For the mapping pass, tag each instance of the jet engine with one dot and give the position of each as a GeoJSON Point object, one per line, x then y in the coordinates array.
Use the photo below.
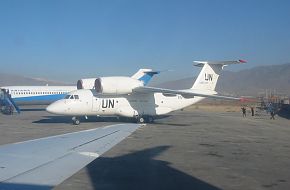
{"type": "Point", "coordinates": [116, 85]}
{"type": "Point", "coordinates": [86, 83]}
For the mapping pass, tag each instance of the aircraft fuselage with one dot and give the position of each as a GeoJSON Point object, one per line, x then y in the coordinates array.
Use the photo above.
{"type": "Point", "coordinates": [86, 102]}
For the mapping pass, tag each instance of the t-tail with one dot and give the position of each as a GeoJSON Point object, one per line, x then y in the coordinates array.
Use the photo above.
{"type": "Point", "coordinates": [145, 75]}
{"type": "Point", "coordinates": [209, 74]}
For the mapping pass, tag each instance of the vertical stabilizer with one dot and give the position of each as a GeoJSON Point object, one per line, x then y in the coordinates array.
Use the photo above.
{"type": "Point", "coordinates": [209, 74]}
{"type": "Point", "coordinates": [145, 75]}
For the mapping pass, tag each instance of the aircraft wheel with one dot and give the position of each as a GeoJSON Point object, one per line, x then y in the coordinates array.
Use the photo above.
{"type": "Point", "coordinates": [141, 120]}
{"type": "Point", "coordinates": [76, 121]}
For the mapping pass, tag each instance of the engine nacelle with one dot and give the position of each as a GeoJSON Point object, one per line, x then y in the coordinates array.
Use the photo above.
{"type": "Point", "coordinates": [116, 85]}
{"type": "Point", "coordinates": [86, 83]}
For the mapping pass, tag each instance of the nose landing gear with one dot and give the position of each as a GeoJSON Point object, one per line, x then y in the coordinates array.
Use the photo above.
{"type": "Point", "coordinates": [76, 121]}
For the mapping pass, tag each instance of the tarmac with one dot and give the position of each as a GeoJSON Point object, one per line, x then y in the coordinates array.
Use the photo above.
{"type": "Point", "coordinates": [191, 149]}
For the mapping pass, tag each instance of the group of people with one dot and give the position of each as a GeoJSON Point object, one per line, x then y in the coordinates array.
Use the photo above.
{"type": "Point", "coordinates": [270, 110]}
{"type": "Point", "coordinates": [244, 111]}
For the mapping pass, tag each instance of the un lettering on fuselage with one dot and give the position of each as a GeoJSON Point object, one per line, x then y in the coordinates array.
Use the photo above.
{"type": "Point", "coordinates": [108, 103]}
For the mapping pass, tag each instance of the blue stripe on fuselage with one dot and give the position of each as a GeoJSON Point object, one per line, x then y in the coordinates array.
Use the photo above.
{"type": "Point", "coordinates": [50, 98]}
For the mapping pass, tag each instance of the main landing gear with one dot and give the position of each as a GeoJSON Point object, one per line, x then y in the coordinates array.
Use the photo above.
{"type": "Point", "coordinates": [140, 120]}
{"type": "Point", "coordinates": [145, 119]}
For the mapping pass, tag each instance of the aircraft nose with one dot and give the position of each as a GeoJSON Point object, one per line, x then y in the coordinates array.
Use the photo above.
{"type": "Point", "coordinates": [55, 108]}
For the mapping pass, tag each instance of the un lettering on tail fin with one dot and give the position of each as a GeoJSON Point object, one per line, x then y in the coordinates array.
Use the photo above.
{"type": "Point", "coordinates": [208, 77]}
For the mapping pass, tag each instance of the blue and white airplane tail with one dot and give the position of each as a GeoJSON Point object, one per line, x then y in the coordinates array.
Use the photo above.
{"type": "Point", "coordinates": [209, 74]}
{"type": "Point", "coordinates": [145, 75]}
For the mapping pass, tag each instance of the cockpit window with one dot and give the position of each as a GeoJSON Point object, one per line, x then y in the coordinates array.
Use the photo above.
{"type": "Point", "coordinates": [76, 97]}
{"type": "Point", "coordinates": [71, 97]}
{"type": "Point", "coordinates": [67, 97]}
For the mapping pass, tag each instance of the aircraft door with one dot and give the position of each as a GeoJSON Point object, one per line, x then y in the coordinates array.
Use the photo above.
{"type": "Point", "coordinates": [95, 104]}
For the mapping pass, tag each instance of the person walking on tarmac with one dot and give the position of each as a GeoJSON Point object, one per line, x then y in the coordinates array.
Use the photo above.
{"type": "Point", "coordinates": [272, 114]}
{"type": "Point", "coordinates": [252, 111]}
{"type": "Point", "coordinates": [244, 111]}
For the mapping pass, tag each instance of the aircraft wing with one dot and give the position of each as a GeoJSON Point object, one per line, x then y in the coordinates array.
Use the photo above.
{"type": "Point", "coordinates": [46, 162]}
{"type": "Point", "coordinates": [186, 93]}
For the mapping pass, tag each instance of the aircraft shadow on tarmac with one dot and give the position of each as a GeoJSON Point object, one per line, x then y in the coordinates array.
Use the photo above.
{"type": "Point", "coordinates": [139, 170]}
{"type": "Point", "coordinates": [54, 119]}
{"type": "Point", "coordinates": [68, 119]}
{"type": "Point", "coordinates": [13, 186]}
{"type": "Point", "coordinates": [171, 123]}
{"type": "Point", "coordinates": [32, 109]}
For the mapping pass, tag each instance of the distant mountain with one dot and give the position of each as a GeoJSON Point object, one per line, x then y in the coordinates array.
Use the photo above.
{"type": "Point", "coordinates": [16, 80]}
{"type": "Point", "coordinates": [251, 82]}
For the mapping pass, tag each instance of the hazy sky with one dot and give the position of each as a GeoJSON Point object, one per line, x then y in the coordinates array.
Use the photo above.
{"type": "Point", "coordinates": [69, 39]}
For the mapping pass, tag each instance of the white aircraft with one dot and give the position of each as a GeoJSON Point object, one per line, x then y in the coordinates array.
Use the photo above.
{"type": "Point", "coordinates": [44, 163]}
{"type": "Point", "coordinates": [44, 95]}
{"type": "Point", "coordinates": [128, 97]}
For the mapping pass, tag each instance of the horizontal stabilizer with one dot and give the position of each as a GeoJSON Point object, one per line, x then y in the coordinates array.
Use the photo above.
{"type": "Point", "coordinates": [201, 63]}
